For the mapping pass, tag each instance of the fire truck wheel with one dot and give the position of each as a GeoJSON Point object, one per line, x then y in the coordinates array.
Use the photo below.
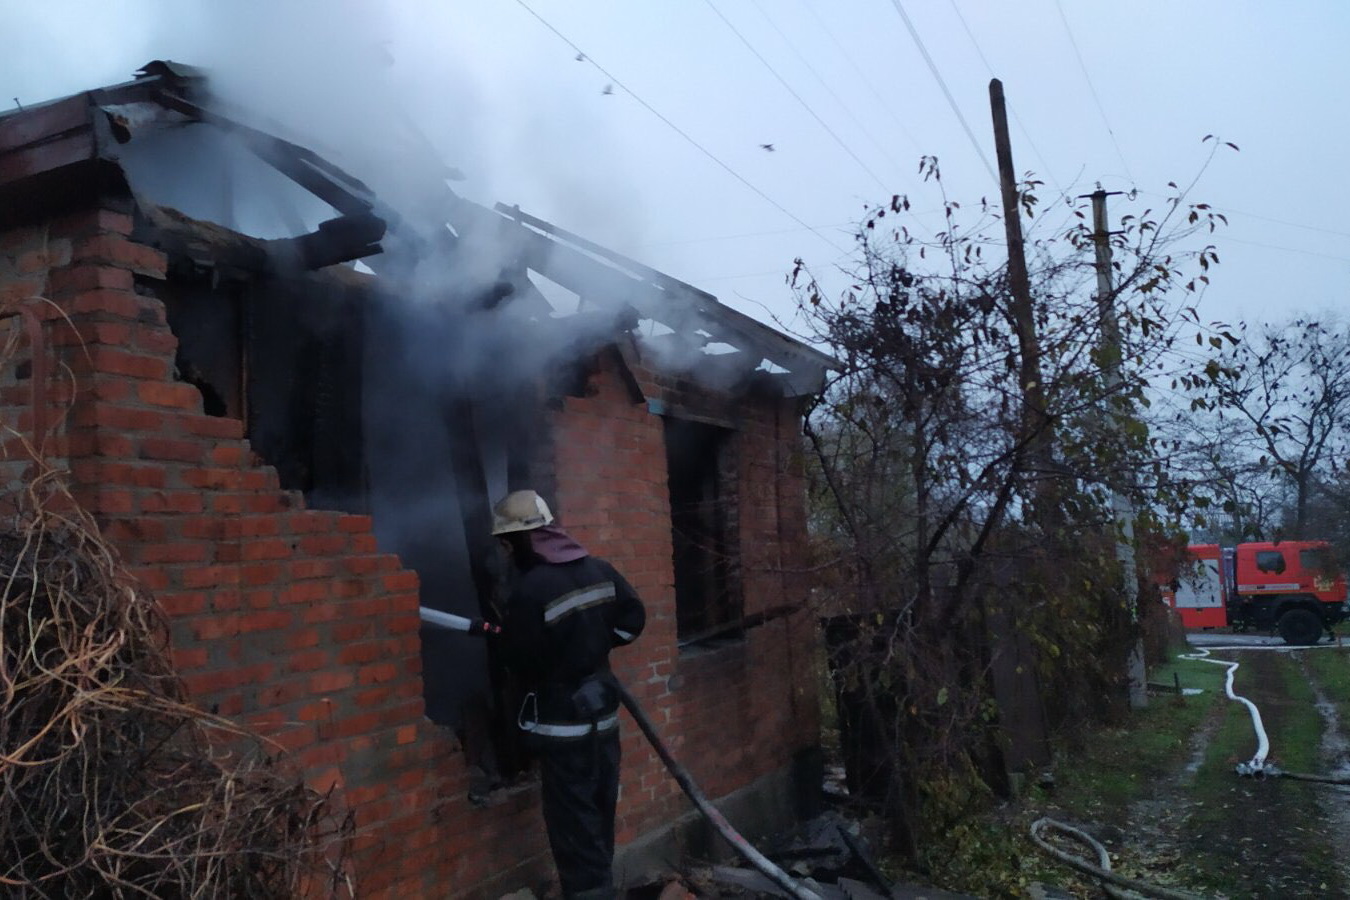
{"type": "Point", "coordinates": [1300, 626]}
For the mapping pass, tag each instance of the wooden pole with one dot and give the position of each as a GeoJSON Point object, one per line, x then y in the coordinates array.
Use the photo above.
{"type": "Point", "coordinates": [1122, 507]}
{"type": "Point", "coordinates": [1035, 423]}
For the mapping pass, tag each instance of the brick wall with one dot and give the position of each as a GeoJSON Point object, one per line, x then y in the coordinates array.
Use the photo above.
{"type": "Point", "coordinates": [293, 620]}
{"type": "Point", "coordinates": [741, 710]}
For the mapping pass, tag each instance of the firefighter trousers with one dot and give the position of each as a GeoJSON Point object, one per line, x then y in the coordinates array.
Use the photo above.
{"type": "Point", "coordinates": [579, 781]}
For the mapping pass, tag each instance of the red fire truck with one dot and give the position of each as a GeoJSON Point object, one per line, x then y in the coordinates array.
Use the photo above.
{"type": "Point", "coordinates": [1294, 587]}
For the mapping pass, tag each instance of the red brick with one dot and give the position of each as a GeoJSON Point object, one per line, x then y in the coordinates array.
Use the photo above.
{"type": "Point", "coordinates": [92, 221]}
{"type": "Point", "coordinates": [265, 620]}
{"type": "Point", "coordinates": [363, 565]}
{"type": "Point", "coordinates": [172, 449]}
{"type": "Point", "coordinates": [323, 544]}
{"type": "Point", "coordinates": [132, 530]}
{"type": "Point", "coordinates": [220, 427]}
{"type": "Point", "coordinates": [20, 290]}
{"type": "Point", "coordinates": [304, 637]}
{"type": "Point", "coordinates": [312, 568]}
{"type": "Point", "coordinates": [229, 455]}
{"type": "Point", "coordinates": [334, 680]}
{"type": "Point", "coordinates": [116, 361]}
{"type": "Point", "coordinates": [303, 592]}
{"type": "Point", "coordinates": [377, 673]}
{"type": "Point", "coordinates": [210, 576]}
{"type": "Point", "coordinates": [263, 549]}
{"type": "Point", "coordinates": [155, 341]}
{"type": "Point", "coordinates": [215, 626]}
{"type": "Point", "coordinates": [401, 581]}
{"type": "Point", "coordinates": [185, 658]}
{"type": "Point", "coordinates": [174, 553]}
{"type": "Point", "coordinates": [182, 603]}
{"type": "Point", "coordinates": [355, 523]}
{"type": "Point", "coordinates": [115, 249]}
{"type": "Point", "coordinates": [351, 631]}
{"type": "Point", "coordinates": [203, 527]}
{"type": "Point", "coordinates": [172, 394]}
{"type": "Point", "coordinates": [258, 573]}
{"type": "Point", "coordinates": [228, 600]}
{"type": "Point", "coordinates": [171, 502]}
{"type": "Point", "coordinates": [122, 303]}
{"type": "Point", "coordinates": [354, 654]}
{"type": "Point", "coordinates": [308, 660]}
{"type": "Point", "coordinates": [113, 502]}
{"type": "Point", "coordinates": [114, 334]}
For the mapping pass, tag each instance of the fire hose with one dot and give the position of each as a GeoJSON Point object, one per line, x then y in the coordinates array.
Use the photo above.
{"type": "Point", "coordinates": [714, 815]}
{"type": "Point", "coordinates": [681, 775]}
{"type": "Point", "coordinates": [462, 624]}
{"type": "Point", "coordinates": [1257, 767]}
{"type": "Point", "coordinates": [1112, 883]}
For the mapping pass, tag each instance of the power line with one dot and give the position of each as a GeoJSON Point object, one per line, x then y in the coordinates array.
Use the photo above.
{"type": "Point", "coordinates": [1238, 212]}
{"type": "Point", "coordinates": [651, 109]}
{"type": "Point", "coordinates": [1018, 119]}
{"type": "Point", "coordinates": [951, 101]}
{"type": "Point", "coordinates": [823, 83]}
{"type": "Point", "coordinates": [1251, 215]}
{"type": "Point", "coordinates": [744, 234]}
{"type": "Point", "coordinates": [806, 106]}
{"type": "Point", "coordinates": [862, 77]}
{"type": "Point", "coordinates": [1092, 88]}
{"type": "Point", "coordinates": [1227, 237]}
{"type": "Point", "coordinates": [749, 234]}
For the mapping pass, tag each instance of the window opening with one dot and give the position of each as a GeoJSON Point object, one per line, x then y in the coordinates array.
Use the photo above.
{"type": "Point", "coordinates": [1318, 561]}
{"type": "Point", "coordinates": [1271, 561]}
{"type": "Point", "coordinates": [700, 468]}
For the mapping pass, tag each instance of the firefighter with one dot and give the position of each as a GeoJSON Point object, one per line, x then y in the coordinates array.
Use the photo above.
{"type": "Point", "coordinates": [568, 609]}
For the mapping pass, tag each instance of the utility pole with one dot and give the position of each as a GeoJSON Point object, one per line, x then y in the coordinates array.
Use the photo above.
{"type": "Point", "coordinates": [1035, 423]}
{"type": "Point", "coordinates": [1122, 507]}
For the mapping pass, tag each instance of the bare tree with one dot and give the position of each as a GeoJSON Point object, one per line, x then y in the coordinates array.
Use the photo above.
{"type": "Point", "coordinates": [1290, 385]}
{"type": "Point", "coordinates": [925, 483]}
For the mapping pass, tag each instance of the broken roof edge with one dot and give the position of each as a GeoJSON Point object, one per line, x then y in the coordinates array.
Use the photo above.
{"type": "Point", "coordinates": [687, 308]}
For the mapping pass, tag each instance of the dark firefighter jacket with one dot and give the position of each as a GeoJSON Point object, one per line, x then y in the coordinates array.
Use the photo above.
{"type": "Point", "coordinates": [561, 622]}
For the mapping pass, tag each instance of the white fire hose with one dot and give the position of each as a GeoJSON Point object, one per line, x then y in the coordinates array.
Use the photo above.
{"type": "Point", "coordinates": [1256, 766]}
{"type": "Point", "coordinates": [452, 622]}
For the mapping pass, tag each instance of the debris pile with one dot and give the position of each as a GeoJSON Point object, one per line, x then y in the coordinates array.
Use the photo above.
{"type": "Point", "coordinates": [111, 783]}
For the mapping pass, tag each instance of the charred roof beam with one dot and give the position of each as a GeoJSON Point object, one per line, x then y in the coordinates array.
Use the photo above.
{"type": "Point", "coordinates": [321, 178]}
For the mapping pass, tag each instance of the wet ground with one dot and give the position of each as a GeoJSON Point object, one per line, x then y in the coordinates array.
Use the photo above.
{"type": "Point", "coordinates": [1279, 838]}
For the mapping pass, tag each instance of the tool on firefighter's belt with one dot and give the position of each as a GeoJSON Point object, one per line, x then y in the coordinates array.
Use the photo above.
{"type": "Point", "coordinates": [461, 624]}
{"type": "Point", "coordinates": [591, 698]}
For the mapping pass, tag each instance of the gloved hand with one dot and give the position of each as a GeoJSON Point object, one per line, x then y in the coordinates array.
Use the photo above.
{"type": "Point", "coordinates": [484, 627]}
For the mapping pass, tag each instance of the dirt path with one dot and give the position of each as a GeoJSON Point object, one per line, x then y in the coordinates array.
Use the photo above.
{"type": "Point", "coordinates": [1259, 838]}
{"type": "Point", "coordinates": [1333, 800]}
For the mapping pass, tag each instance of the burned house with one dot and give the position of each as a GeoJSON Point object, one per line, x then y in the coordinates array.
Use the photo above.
{"type": "Point", "coordinates": [290, 406]}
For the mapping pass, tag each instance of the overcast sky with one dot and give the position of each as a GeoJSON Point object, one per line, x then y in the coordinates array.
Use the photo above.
{"type": "Point", "coordinates": [651, 144]}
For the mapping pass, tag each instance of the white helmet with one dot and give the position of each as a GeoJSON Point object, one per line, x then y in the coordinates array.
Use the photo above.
{"type": "Point", "coordinates": [520, 511]}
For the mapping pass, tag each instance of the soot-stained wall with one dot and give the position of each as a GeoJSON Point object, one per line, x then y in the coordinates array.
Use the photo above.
{"type": "Point", "coordinates": [302, 622]}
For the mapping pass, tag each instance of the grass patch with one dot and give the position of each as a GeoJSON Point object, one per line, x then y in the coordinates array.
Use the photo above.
{"type": "Point", "coordinates": [1114, 766]}
{"type": "Point", "coordinates": [1096, 782]}
{"type": "Point", "coordinates": [1331, 668]}
{"type": "Point", "coordinates": [1244, 811]}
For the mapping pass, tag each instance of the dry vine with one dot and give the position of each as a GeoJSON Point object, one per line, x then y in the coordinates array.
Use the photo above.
{"type": "Point", "coordinates": [112, 784]}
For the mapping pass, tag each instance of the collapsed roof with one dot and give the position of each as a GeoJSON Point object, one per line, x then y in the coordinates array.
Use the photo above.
{"type": "Point", "coordinates": [58, 152]}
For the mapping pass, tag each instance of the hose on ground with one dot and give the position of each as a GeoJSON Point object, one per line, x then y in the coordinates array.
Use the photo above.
{"type": "Point", "coordinates": [1111, 881]}
{"type": "Point", "coordinates": [1274, 772]}
{"type": "Point", "coordinates": [1258, 762]}
{"type": "Point", "coordinates": [785, 881]}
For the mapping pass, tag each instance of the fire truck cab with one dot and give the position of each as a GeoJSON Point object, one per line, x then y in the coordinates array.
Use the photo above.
{"type": "Point", "coordinates": [1292, 587]}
